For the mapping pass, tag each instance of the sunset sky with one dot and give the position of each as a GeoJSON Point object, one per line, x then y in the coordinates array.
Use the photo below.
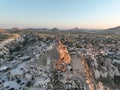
{"type": "Point", "coordinates": [59, 13]}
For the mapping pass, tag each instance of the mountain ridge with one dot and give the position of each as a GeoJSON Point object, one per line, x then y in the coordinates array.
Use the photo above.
{"type": "Point", "coordinates": [76, 29]}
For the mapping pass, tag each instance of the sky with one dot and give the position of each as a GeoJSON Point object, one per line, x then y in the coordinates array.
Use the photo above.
{"type": "Point", "coordinates": [59, 13]}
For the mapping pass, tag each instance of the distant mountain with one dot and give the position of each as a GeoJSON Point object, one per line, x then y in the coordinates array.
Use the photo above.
{"type": "Point", "coordinates": [37, 29]}
{"type": "Point", "coordinates": [115, 30]}
{"type": "Point", "coordinates": [55, 29]}
{"type": "Point", "coordinates": [83, 30]}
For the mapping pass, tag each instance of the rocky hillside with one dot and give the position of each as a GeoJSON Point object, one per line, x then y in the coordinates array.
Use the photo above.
{"type": "Point", "coordinates": [35, 60]}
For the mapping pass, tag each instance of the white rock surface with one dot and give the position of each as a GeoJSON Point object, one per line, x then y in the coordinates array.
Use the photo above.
{"type": "Point", "coordinates": [16, 72]}
{"type": "Point", "coordinates": [11, 84]}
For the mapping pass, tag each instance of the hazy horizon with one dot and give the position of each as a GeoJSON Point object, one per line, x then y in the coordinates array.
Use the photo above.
{"type": "Point", "coordinates": [63, 14]}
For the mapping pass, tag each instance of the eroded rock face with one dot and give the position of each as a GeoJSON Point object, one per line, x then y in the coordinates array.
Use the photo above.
{"type": "Point", "coordinates": [64, 57]}
{"type": "Point", "coordinates": [11, 85]}
{"type": "Point", "coordinates": [32, 66]}
{"type": "Point", "coordinates": [68, 73]}
{"type": "Point", "coordinates": [104, 73]}
{"type": "Point", "coordinates": [100, 86]}
{"type": "Point", "coordinates": [108, 69]}
{"type": "Point", "coordinates": [88, 75]}
{"type": "Point", "coordinates": [75, 80]}
{"type": "Point", "coordinates": [23, 68]}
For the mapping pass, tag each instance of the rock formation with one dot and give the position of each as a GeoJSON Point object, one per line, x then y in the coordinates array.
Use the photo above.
{"type": "Point", "coordinates": [64, 57]}
{"type": "Point", "coordinates": [88, 74]}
